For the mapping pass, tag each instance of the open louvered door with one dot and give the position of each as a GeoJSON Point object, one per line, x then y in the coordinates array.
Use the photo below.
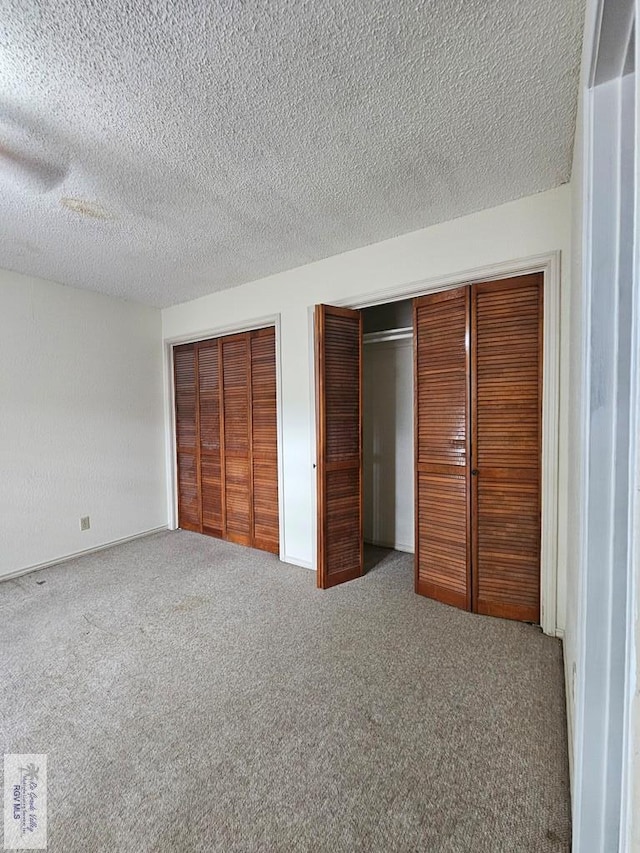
{"type": "Point", "coordinates": [187, 450]}
{"type": "Point", "coordinates": [442, 438]}
{"type": "Point", "coordinates": [338, 339]}
{"type": "Point", "coordinates": [507, 428]}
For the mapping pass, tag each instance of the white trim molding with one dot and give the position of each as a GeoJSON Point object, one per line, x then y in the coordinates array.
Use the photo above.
{"type": "Point", "coordinates": [569, 688]}
{"type": "Point", "coordinates": [86, 551]}
{"type": "Point", "coordinates": [549, 265]}
{"type": "Point", "coordinates": [550, 444]}
{"type": "Point", "coordinates": [396, 546]}
{"type": "Point", "coordinates": [297, 561]}
{"type": "Point", "coordinates": [605, 766]}
{"type": "Point", "coordinates": [169, 414]}
{"type": "Point", "coordinates": [501, 269]}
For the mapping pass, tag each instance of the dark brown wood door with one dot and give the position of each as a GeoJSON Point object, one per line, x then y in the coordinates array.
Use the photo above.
{"type": "Point", "coordinates": [442, 439]}
{"type": "Point", "coordinates": [226, 437]}
{"type": "Point", "coordinates": [338, 339]}
{"type": "Point", "coordinates": [506, 446]}
{"type": "Point", "coordinates": [236, 394]}
{"type": "Point", "coordinates": [210, 436]}
{"type": "Point", "coordinates": [187, 450]}
{"type": "Point", "coordinates": [266, 530]}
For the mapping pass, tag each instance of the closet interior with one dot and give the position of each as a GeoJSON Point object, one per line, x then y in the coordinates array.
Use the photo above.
{"type": "Point", "coordinates": [387, 423]}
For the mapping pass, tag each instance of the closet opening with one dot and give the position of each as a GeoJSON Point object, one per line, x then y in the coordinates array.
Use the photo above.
{"type": "Point", "coordinates": [387, 432]}
{"type": "Point", "coordinates": [429, 426]}
{"type": "Point", "coordinates": [225, 392]}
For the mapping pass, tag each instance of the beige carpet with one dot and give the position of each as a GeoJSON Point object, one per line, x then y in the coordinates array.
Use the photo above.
{"type": "Point", "coordinates": [193, 695]}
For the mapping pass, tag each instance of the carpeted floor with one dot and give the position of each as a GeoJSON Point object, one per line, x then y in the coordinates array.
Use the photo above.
{"type": "Point", "coordinates": [193, 695]}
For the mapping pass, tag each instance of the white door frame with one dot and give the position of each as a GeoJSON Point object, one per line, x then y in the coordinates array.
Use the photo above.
{"type": "Point", "coordinates": [170, 411]}
{"type": "Point", "coordinates": [549, 265]}
{"type": "Point", "coordinates": [610, 388]}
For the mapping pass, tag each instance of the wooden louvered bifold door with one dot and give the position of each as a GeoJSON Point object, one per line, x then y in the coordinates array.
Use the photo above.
{"type": "Point", "coordinates": [507, 423]}
{"type": "Point", "coordinates": [236, 393]}
{"type": "Point", "coordinates": [264, 424]}
{"type": "Point", "coordinates": [226, 438]}
{"type": "Point", "coordinates": [209, 388]}
{"type": "Point", "coordinates": [338, 337]}
{"type": "Point", "coordinates": [187, 451]}
{"type": "Point", "coordinates": [442, 436]}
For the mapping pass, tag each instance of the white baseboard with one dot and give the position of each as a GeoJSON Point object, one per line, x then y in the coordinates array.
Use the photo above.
{"type": "Point", "coordinates": [560, 633]}
{"type": "Point", "coordinates": [306, 564]}
{"type": "Point", "coordinates": [568, 692]}
{"type": "Point", "coordinates": [296, 561]}
{"type": "Point", "coordinates": [28, 569]}
{"type": "Point", "coordinates": [397, 546]}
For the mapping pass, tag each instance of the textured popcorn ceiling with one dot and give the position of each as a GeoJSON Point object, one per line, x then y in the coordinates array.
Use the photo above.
{"type": "Point", "coordinates": [163, 150]}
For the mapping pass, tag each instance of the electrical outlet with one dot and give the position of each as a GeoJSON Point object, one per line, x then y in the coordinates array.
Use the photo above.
{"type": "Point", "coordinates": [85, 522]}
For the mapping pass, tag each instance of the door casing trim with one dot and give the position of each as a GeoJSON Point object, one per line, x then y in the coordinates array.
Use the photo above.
{"type": "Point", "coordinates": [170, 410]}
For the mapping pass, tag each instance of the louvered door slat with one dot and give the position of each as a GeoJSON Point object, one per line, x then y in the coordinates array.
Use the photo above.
{"type": "Point", "coordinates": [338, 334]}
{"type": "Point", "coordinates": [507, 370]}
{"type": "Point", "coordinates": [209, 388]}
{"type": "Point", "coordinates": [187, 451]}
{"type": "Point", "coordinates": [264, 440]}
{"type": "Point", "coordinates": [441, 324]}
{"type": "Point", "coordinates": [237, 438]}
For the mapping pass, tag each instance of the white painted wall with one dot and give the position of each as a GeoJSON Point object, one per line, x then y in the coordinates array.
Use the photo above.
{"type": "Point", "coordinates": [530, 226]}
{"type": "Point", "coordinates": [601, 305]}
{"type": "Point", "coordinates": [388, 443]}
{"type": "Point", "coordinates": [81, 421]}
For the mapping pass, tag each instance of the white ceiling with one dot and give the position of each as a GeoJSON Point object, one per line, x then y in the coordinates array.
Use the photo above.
{"type": "Point", "coordinates": [217, 142]}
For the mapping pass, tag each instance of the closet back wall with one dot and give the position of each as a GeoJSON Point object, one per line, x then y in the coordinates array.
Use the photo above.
{"type": "Point", "coordinates": [388, 443]}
